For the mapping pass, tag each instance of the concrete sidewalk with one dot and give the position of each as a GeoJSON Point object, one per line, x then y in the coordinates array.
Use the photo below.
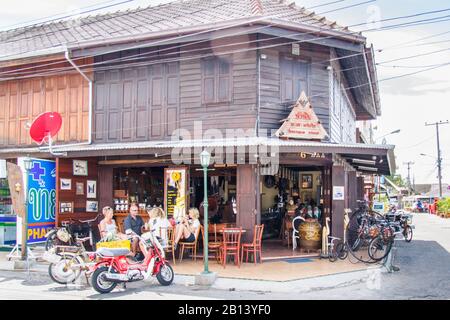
{"type": "Point", "coordinates": [302, 284]}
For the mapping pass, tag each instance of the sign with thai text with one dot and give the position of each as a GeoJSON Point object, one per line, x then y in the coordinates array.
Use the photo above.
{"type": "Point", "coordinates": [40, 197]}
{"type": "Point", "coordinates": [175, 187]}
{"type": "Point", "coordinates": [302, 122]}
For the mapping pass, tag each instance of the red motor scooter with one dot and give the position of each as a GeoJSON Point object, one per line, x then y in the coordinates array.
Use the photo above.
{"type": "Point", "coordinates": [114, 267]}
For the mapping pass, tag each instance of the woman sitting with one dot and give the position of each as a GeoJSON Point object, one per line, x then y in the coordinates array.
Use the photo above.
{"type": "Point", "coordinates": [158, 224]}
{"type": "Point", "coordinates": [108, 227]}
{"type": "Point", "coordinates": [188, 228]}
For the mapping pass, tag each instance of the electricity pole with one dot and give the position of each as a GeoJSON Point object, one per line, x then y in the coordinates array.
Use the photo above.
{"type": "Point", "coordinates": [439, 159]}
{"type": "Point", "coordinates": [409, 164]}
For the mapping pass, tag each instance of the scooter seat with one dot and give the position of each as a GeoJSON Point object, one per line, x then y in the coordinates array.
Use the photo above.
{"type": "Point", "coordinates": [112, 252]}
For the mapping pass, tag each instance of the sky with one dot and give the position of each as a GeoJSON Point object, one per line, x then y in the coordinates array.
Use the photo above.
{"type": "Point", "coordinates": [407, 103]}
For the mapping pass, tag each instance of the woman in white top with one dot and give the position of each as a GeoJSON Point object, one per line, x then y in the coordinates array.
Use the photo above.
{"type": "Point", "coordinates": [158, 223]}
{"type": "Point", "coordinates": [187, 229]}
{"type": "Point", "coordinates": [108, 227]}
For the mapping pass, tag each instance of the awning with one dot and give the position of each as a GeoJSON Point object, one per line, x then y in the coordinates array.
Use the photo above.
{"type": "Point", "coordinates": [366, 158]}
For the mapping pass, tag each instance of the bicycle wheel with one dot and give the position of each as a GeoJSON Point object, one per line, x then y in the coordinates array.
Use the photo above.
{"type": "Point", "coordinates": [342, 251]}
{"type": "Point", "coordinates": [408, 233]}
{"type": "Point", "coordinates": [333, 256]}
{"type": "Point", "coordinates": [379, 248]}
{"type": "Point", "coordinates": [357, 236]}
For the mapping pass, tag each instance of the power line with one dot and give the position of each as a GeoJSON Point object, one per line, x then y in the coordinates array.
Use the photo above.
{"type": "Point", "coordinates": [420, 39]}
{"type": "Point", "coordinates": [368, 30]}
{"type": "Point", "coordinates": [326, 4]}
{"type": "Point", "coordinates": [141, 54]}
{"type": "Point", "coordinates": [414, 56]}
{"type": "Point", "coordinates": [55, 16]}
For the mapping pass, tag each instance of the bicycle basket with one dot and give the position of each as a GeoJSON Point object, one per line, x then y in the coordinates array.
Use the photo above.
{"type": "Point", "coordinates": [374, 231]}
{"type": "Point", "coordinates": [63, 235]}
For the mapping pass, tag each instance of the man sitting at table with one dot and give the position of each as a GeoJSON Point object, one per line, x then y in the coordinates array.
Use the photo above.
{"type": "Point", "coordinates": [134, 223]}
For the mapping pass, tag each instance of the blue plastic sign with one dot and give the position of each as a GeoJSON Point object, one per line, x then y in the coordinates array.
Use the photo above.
{"type": "Point", "coordinates": [41, 192]}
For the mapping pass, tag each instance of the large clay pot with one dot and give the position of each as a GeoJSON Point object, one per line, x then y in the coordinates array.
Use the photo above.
{"type": "Point", "coordinates": [310, 232]}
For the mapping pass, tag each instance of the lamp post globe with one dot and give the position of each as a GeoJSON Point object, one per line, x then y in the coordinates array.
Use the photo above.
{"type": "Point", "coordinates": [205, 157]}
{"type": "Point", "coordinates": [27, 163]}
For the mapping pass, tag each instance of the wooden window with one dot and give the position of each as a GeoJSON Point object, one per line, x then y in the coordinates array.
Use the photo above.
{"type": "Point", "coordinates": [294, 78]}
{"type": "Point", "coordinates": [216, 78]}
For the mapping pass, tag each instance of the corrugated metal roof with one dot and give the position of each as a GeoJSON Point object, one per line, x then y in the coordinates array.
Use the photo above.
{"type": "Point", "coordinates": [237, 142]}
{"type": "Point", "coordinates": [176, 15]}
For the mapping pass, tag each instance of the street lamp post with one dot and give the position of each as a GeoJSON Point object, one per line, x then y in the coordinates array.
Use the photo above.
{"type": "Point", "coordinates": [384, 140]}
{"type": "Point", "coordinates": [204, 160]}
{"type": "Point", "coordinates": [27, 165]}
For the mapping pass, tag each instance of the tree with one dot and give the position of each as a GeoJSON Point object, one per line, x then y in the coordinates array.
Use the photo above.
{"type": "Point", "coordinates": [398, 180]}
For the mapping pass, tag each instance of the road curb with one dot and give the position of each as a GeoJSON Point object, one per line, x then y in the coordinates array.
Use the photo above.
{"type": "Point", "coordinates": [317, 283]}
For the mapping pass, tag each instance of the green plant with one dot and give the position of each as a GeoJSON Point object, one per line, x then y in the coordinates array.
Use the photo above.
{"type": "Point", "coordinates": [444, 206]}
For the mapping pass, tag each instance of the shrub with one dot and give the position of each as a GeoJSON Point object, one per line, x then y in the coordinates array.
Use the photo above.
{"type": "Point", "coordinates": [444, 206]}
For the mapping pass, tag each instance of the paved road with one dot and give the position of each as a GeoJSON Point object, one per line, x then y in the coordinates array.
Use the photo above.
{"type": "Point", "coordinates": [424, 274]}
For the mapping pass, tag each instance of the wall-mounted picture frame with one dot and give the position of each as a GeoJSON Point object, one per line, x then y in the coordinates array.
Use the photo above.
{"type": "Point", "coordinates": [91, 206]}
{"type": "Point", "coordinates": [66, 207]}
{"type": "Point", "coordinates": [79, 188]}
{"type": "Point", "coordinates": [80, 167]}
{"type": "Point", "coordinates": [306, 197]}
{"type": "Point", "coordinates": [307, 181]}
{"type": "Point", "coordinates": [91, 189]}
{"type": "Point", "coordinates": [65, 184]}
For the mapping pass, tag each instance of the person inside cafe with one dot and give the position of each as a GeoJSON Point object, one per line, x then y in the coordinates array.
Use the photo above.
{"type": "Point", "coordinates": [187, 229]}
{"type": "Point", "coordinates": [108, 228]}
{"type": "Point", "coordinates": [134, 223]}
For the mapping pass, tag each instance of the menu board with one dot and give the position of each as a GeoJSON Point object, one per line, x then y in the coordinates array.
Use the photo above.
{"type": "Point", "coordinates": [175, 186]}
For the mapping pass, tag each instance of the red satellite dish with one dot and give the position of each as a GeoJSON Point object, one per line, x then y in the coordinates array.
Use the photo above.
{"type": "Point", "coordinates": [45, 126]}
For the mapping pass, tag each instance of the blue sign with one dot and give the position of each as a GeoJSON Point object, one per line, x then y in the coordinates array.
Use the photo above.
{"type": "Point", "coordinates": [41, 194]}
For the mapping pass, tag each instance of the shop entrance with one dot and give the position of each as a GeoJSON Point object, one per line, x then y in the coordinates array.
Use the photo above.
{"type": "Point", "coordinates": [294, 191]}
{"type": "Point", "coordinates": [221, 193]}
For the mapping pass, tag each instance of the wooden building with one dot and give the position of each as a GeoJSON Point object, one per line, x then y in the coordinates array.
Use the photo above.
{"type": "Point", "coordinates": [205, 68]}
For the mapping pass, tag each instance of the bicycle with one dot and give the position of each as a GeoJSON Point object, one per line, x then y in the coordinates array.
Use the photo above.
{"type": "Point", "coordinates": [381, 245]}
{"type": "Point", "coordinates": [340, 252]}
{"type": "Point", "coordinates": [362, 228]}
{"type": "Point", "coordinates": [74, 228]}
{"type": "Point", "coordinates": [68, 262]}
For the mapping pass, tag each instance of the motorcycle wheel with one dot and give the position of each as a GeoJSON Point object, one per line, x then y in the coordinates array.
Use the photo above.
{"type": "Point", "coordinates": [100, 284]}
{"type": "Point", "coordinates": [165, 275]}
{"type": "Point", "coordinates": [61, 272]}
{"type": "Point", "coordinates": [408, 233]}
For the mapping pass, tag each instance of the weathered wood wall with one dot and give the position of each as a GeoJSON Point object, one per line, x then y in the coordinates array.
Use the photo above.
{"type": "Point", "coordinates": [21, 101]}
{"type": "Point", "coordinates": [272, 108]}
{"type": "Point", "coordinates": [149, 100]}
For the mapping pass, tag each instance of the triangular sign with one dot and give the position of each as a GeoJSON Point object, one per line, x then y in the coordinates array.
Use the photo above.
{"type": "Point", "coordinates": [302, 122]}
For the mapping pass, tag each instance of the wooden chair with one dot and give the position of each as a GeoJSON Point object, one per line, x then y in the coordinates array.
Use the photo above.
{"type": "Point", "coordinates": [254, 247]}
{"type": "Point", "coordinates": [190, 245]}
{"type": "Point", "coordinates": [170, 248]}
{"type": "Point", "coordinates": [213, 246]}
{"type": "Point", "coordinates": [231, 245]}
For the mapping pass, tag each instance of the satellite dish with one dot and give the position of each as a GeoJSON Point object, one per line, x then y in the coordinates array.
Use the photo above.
{"type": "Point", "coordinates": [45, 127]}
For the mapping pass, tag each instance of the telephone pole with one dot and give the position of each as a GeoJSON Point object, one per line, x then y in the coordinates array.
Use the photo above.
{"type": "Point", "coordinates": [409, 164]}
{"type": "Point", "coordinates": [439, 159]}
